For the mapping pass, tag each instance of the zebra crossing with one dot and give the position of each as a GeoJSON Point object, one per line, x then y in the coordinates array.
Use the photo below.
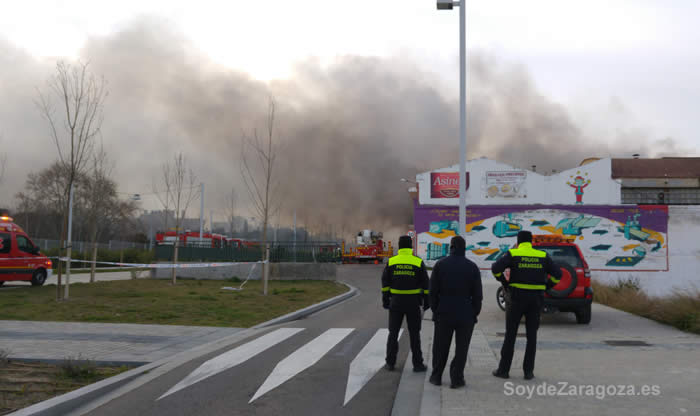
{"type": "Point", "coordinates": [361, 370]}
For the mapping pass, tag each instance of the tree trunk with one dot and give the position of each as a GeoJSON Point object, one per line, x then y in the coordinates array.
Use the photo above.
{"type": "Point", "coordinates": [61, 243]}
{"type": "Point", "coordinates": [264, 250]}
{"type": "Point", "coordinates": [174, 273]}
{"type": "Point", "coordinates": [94, 261]}
{"type": "Point", "coordinates": [93, 266]}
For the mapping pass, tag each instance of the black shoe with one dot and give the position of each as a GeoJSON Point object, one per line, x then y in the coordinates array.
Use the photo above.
{"type": "Point", "coordinates": [457, 384]}
{"type": "Point", "coordinates": [435, 380]}
{"type": "Point", "coordinates": [529, 376]}
{"type": "Point", "coordinates": [498, 374]}
{"type": "Point", "coordinates": [389, 367]}
{"type": "Point", "coordinates": [420, 368]}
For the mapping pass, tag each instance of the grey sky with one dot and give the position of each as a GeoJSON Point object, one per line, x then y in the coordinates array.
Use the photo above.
{"type": "Point", "coordinates": [626, 74]}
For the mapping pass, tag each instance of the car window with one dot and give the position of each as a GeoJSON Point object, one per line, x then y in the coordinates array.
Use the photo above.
{"type": "Point", "coordinates": [563, 254]}
{"type": "Point", "coordinates": [24, 244]}
{"type": "Point", "coordinates": [5, 242]}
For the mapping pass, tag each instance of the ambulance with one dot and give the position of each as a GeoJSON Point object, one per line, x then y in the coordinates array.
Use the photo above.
{"type": "Point", "coordinates": [20, 259]}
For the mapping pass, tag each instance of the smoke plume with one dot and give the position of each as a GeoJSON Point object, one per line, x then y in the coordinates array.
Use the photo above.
{"type": "Point", "coordinates": [348, 131]}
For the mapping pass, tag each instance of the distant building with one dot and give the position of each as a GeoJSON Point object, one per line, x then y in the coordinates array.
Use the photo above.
{"type": "Point", "coordinates": [665, 181]}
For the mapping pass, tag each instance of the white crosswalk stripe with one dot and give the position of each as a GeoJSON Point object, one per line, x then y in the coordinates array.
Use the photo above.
{"type": "Point", "coordinates": [362, 368]}
{"type": "Point", "coordinates": [303, 358]}
{"type": "Point", "coordinates": [367, 363]}
{"type": "Point", "coordinates": [234, 357]}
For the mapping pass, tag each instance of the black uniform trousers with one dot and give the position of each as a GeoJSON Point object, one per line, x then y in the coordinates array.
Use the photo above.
{"type": "Point", "coordinates": [526, 303]}
{"type": "Point", "coordinates": [441, 348]}
{"type": "Point", "coordinates": [413, 321]}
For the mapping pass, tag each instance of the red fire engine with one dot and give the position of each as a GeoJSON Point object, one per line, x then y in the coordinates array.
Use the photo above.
{"type": "Point", "coordinates": [370, 248]}
{"type": "Point", "coordinates": [192, 238]}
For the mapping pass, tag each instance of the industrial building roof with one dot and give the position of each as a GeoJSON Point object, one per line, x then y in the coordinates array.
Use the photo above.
{"type": "Point", "coordinates": [667, 167]}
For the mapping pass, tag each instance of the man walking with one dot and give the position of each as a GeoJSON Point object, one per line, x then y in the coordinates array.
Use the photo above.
{"type": "Point", "coordinates": [455, 298]}
{"type": "Point", "coordinates": [404, 290]}
{"type": "Point", "coordinates": [526, 285]}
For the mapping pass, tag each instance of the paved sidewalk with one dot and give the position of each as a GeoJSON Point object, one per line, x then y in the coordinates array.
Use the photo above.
{"type": "Point", "coordinates": [115, 343]}
{"type": "Point", "coordinates": [569, 354]}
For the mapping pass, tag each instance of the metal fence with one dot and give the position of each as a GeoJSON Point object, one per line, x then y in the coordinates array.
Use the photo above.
{"type": "Point", "coordinates": [83, 246]}
{"type": "Point", "coordinates": [279, 252]}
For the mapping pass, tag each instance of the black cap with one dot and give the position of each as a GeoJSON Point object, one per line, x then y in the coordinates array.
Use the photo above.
{"type": "Point", "coordinates": [524, 237]}
{"type": "Point", "coordinates": [405, 242]}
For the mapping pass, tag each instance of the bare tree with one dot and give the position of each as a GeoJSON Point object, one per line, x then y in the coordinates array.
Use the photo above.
{"type": "Point", "coordinates": [231, 201]}
{"type": "Point", "coordinates": [163, 197]}
{"type": "Point", "coordinates": [72, 104]}
{"type": "Point", "coordinates": [258, 155]}
{"type": "Point", "coordinates": [100, 198]}
{"type": "Point", "coordinates": [180, 185]}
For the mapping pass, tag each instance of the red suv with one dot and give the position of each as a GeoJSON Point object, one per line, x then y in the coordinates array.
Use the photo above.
{"type": "Point", "coordinates": [573, 293]}
{"type": "Point", "coordinates": [20, 259]}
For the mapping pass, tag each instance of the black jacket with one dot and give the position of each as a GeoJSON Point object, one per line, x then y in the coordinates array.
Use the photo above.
{"type": "Point", "coordinates": [528, 268]}
{"type": "Point", "coordinates": [405, 281]}
{"type": "Point", "coordinates": [455, 289]}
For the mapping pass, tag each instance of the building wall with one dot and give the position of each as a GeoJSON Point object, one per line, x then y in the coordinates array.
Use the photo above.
{"type": "Point", "coordinates": [664, 255]}
{"type": "Point", "coordinates": [661, 251]}
{"type": "Point", "coordinates": [683, 254]}
{"type": "Point", "coordinates": [617, 238]}
{"type": "Point", "coordinates": [495, 183]}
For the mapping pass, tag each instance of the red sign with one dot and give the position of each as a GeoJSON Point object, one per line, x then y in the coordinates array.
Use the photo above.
{"type": "Point", "coordinates": [446, 184]}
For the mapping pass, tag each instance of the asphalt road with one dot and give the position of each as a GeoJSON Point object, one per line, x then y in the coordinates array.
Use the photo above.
{"type": "Point", "coordinates": [306, 367]}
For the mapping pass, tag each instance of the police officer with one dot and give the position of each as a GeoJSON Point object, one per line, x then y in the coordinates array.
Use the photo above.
{"type": "Point", "coordinates": [404, 289]}
{"type": "Point", "coordinates": [455, 298]}
{"type": "Point", "coordinates": [526, 285]}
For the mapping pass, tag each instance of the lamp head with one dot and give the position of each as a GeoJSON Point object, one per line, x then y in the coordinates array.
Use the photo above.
{"type": "Point", "coordinates": [445, 4]}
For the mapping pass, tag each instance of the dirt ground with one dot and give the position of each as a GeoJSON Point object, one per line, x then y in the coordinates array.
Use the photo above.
{"type": "Point", "coordinates": [23, 384]}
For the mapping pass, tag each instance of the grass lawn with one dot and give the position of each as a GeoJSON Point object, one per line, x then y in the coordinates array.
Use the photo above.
{"type": "Point", "coordinates": [151, 301]}
{"type": "Point", "coordinates": [680, 309]}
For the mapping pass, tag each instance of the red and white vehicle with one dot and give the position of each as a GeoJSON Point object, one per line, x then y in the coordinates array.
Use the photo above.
{"type": "Point", "coordinates": [20, 259]}
{"type": "Point", "coordinates": [369, 248]}
{"type": "Point", "coordinates": [191, 238]}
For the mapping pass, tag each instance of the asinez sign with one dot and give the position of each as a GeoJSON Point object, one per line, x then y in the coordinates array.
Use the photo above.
{"type": "Point", "coordinates": [446, 184]}
{"type": "Point", "coordinates": [507, 184]}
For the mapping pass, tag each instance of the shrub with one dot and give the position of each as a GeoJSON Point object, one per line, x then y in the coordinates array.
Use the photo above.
{"type": "Point", "coordinates": [681, 309]}
{"type": "Point", "coordinates": [78, 368]}
{"type": "Point", "coordinates": [4, 357]}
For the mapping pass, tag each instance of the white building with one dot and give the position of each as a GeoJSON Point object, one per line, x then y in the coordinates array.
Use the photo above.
{"type": "Point", "coordinates": [625, 215]}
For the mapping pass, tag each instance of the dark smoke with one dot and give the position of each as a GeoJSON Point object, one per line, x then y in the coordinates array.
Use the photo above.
{"type": "Point", "coordinates": [348, 131]}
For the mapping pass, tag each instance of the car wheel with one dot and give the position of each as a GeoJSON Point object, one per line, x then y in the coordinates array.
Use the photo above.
{"type": "Point", "coordinates": [39, 277]}
{"type": "Point", "coordinates": [583, 315]}
{"type": "Point", "coordinates": [501, 298]}
{"type": "Point", "coordinates": [572, 284]}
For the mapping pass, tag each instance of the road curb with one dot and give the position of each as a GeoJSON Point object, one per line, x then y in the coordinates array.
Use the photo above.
{"type": "Point", "coordinates": [415, 396]}
{"type": "Point", "coordinates": [303, 313]}
{"type": "Point", "coordinates": [88, 398]}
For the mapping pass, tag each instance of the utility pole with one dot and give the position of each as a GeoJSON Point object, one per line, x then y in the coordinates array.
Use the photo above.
{"type": "Point", "coordinates": [295, 235]}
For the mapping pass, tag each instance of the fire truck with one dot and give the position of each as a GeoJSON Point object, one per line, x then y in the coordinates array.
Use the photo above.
{"type": "Point", "coordinates": [191, 238]}
{"type": "Point", "coordinates": [20, 259]}
{"type": "Point", "coordinates": [369, 248]}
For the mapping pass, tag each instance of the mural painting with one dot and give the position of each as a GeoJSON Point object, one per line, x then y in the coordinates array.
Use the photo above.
{"type": "Point", "coordinates": [610, 237]}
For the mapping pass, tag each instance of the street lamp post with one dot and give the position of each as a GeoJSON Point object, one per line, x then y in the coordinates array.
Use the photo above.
{"type": "Point", "coordinates": [449, 5]}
